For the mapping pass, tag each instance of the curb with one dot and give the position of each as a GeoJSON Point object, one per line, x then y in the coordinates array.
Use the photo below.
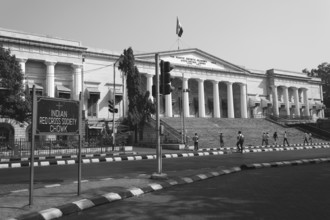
{"type": "Point", "coordinates": [73, 156]}
{"type": "Point", "coordinates": [88, 158]}
{"type": "Point", "coordinates": [84, 204]}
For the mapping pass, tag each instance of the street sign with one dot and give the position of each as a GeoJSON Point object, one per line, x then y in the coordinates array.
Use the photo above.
{"type": "Point", "coordinates": [57, 116]}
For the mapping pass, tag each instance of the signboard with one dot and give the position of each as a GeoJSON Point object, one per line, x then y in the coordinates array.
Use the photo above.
{"type": "Point", "coordinates": [194, 60]}
{"type": "Point", "coordinates": [57, 116]}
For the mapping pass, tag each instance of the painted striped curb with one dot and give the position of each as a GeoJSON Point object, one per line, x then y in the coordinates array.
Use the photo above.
{"type": "Point", "coordinates": [203, 152]}
{"type": "Point", "coordinates": [73, 156]}
{"type": "Point", "coordinates": [83, 204]}
{"type": "Point", "coordinates": [70, 161]}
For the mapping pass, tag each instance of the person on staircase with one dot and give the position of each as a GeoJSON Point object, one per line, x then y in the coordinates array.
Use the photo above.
{"type": "Point", "coordinates": [195, 139]}
{"type": "Point", "coordinates": [222, 143]}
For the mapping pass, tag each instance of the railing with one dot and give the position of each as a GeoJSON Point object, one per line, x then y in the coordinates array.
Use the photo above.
{"type": "Point", "coordinates": [288, 117]}
{"type": "Point", "coordinates": [50, 147]}
{"type": "Point", "coordinates": [169, 129]}
{"type": "Point", "coordinates": [317, 132]}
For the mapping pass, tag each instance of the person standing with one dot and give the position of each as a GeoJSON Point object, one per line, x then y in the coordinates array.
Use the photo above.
{"type": "Point", "coordinates": [263, 139]}
{"type": "Point", "coordinates": [240, 142]}
{"type": "Point", "coordinates": [195, 139]}
{"type": "Point", "coordinates": [306, 136]}
{"type": "Point", "coordinates": [222, 143]}
{"type": "Point", "coordinates": [285, 139]}
{"type": "Point", "coordinates": [310, 138]}
{"type": "Point", "coordinates": [275, 138]}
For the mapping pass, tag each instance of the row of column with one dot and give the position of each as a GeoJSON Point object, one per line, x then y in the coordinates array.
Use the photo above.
{"type": "Point", "coordinates": [201, 99]}
{"type": "Point", "coordinates": [286, 100]}
{"type": "Point", "coordinates": [50, 77]}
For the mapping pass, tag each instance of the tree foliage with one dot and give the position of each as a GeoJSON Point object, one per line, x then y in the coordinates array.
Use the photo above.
{"type": "Point", "coordinates": [323, 72]}
{"type": "Point", "coordinates": [13, 105]}
{"type": "Point", "coordinates": [140, 107]}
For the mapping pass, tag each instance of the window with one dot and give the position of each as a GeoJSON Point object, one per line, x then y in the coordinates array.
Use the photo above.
{"type": "Point", "coordinates": [93, 95]}
{"type": "Point", "coordinates": [63, 92]}
{"type": "Point", "coordinates": [92, 105]}
{"type": "Point", "coordinates": [39, 89]}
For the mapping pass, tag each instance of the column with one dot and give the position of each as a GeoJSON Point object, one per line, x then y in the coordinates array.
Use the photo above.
{"type": "Point", "coordinates": [286, 100]}
{"type": "Point", "coordinates": [275, 100]}
{"type": "Point", "coordinates": [76, 81]}
{"type": "Point", "coordinates": [149, 84]}
{"type": "Point", "coordinates": [201, 97]}
{"type": "Point", "coordinates": [50, 78]}
{"type": "Point", "coordinates": [306, 102]}
{"type": "Point", "coordinates": [22, 64]}
{"type": "Point", "coordinates": [230, 100]}
{"type": "Point", "coordinates": [185, 98]}
{"type": "Point", "coordinates": [168, 105]}
{"type": "Point", "coordinates": [243, 101]}
{"type": "Point", "coordinates": [296, 102]}
{"type": "Point", "coordinates": [216, 103]}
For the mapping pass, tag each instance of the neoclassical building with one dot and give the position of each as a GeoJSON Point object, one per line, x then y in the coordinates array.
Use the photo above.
{"type": "Point", "coordinates": [217, 88]}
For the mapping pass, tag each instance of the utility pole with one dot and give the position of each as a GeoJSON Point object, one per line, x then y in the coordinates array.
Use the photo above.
{"type": "Point", "coordinates": [81, 138]}
{"type": "Point", "coordinates": [114, 110]}
{"type": "Point", "coordinates": [183, 113]}
{"type": "Point", "coordinates": [113, 113]}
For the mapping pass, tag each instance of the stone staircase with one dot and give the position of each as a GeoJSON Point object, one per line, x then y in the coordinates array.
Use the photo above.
{"type": "Point", "coordinates": [209, 129]}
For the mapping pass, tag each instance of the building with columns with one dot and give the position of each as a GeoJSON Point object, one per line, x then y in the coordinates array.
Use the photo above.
{"type": "Point", "coordinates": [221, 89]}
{"type": "Point", "coordinates": [217, 88]}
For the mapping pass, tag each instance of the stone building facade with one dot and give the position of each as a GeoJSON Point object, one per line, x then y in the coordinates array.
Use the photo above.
{"type": "Point", "coordinates": [218, 88]}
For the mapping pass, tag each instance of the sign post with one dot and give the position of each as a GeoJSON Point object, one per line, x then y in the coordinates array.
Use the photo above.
{"type": "Point", "coordinates": [54, 116]}
{"type": "Point", "coordinates": [34, 114]}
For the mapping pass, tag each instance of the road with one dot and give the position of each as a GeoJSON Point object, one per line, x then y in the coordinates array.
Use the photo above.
{"type": "Point", "coordinates": [293, 192]}
{"type": "Point", "coordinates": [18, 178]}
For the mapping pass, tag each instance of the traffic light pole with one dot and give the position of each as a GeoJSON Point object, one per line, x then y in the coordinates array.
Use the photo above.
{"type": "Point", "coordinates": [159, 174]}
{"type": "Point", "coordinates": [159, 149]}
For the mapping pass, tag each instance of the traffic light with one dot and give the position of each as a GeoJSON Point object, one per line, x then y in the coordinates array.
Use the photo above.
{"type": "Point", "coordinates": [112, 108]}
{"type": "Point", "coordinates": [153, 92]}
{"type": "Point", "coordinates": [165, 78]}
{"type": "Point", "coordinates": [153, 88]}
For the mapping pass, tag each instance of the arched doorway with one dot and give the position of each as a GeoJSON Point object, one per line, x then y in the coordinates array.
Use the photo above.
{"type": "Point", "coordinates": [6, 134]}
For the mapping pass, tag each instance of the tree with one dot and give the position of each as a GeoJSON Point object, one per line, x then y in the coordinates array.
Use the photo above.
{"type": "Point", "coordinates": [13, 102]}
{"type": "Point", "coordinates": [322, 71]}
{"type": "Point", "coordinates": [140, 107]}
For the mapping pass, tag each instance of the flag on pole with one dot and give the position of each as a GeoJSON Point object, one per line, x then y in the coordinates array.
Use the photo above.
{"type": "Point", "coordinates": [179, 29]}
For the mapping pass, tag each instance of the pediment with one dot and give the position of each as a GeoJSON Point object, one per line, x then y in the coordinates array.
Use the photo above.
{"type": "Point", "coordinates": [193, 58]}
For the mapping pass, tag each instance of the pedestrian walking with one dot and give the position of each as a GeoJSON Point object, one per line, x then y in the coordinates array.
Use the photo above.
{"type": "Point", "coordinates": [306, 136]}
{"type": "Point", "coordinates": [240, 142]}
{"type": "Point", "coordinates": [267, 138]}
{"type": "Point", "coordinates": [275, 138]}
{"type": "Point", "coordinates": [310, 138]}
{"type": "Point", "coordinates": [222, 143]}
{"type": "Point", "coordinates": [195, 139]}
{"type": "Point", "coordinates": [263, 139]}
{"type": "Point", "coordinates": [285, 139]}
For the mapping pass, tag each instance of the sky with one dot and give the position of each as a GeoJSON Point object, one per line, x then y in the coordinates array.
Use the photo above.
{"type": "Point", "coordinates": [257, 34]}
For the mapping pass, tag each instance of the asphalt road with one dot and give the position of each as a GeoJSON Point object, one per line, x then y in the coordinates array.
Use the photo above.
{"type": "Point", "coordinates": [18, 178]}
{"type": "Point", "coordinates": [292, 192]}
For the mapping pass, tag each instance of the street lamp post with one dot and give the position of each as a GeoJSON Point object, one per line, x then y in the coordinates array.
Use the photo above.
{"type": "Point", "coordinates": [114, 99]}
